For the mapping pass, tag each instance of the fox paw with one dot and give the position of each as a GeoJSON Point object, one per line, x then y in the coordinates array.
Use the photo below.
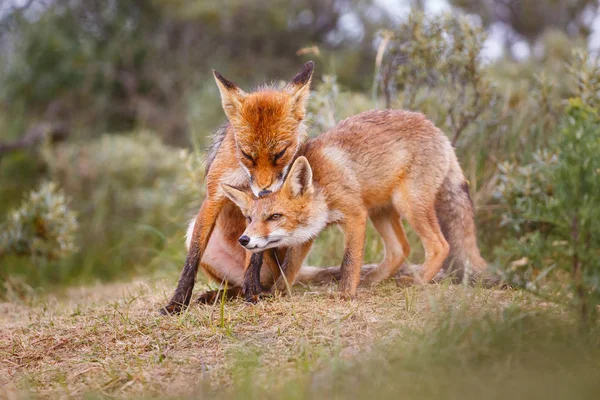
{"type": "Point", "coordinates": [172, 308]}
{"type": "Point", "coordinates": [252, 291]}
{"type": "Point", "coordinates": [256, 298]}
{"type": "Point", "coordinates": [346, 294]}
{"type": "Point", "coordinates": [209, 297]}
{"type": "Point", "coordinates": [343, 296]}
{"type": "Point", "coordinates": [372, 278]}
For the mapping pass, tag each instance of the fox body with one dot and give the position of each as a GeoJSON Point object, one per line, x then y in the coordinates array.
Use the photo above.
{"type": "Point", "coordinates": [254, 151]}
{"type": "Point", "coordinates": [382, 165]}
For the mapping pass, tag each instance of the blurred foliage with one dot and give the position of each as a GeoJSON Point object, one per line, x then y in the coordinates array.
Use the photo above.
{"type": "Point", "coordinates": [552, 205]}
{"type": "Point", "coordinates": [114, 65]}
{"type": "Point", "coordinates": [529, 20]}
{"type": "Point", "coordinates": [330, 103]}
{"type": "Point", "coordinates": [131, 193]}
{"type": "Point", "coordinates": [491, 112]}
{"type": "Point", "coordinates": [134, 176]}
{"type": "Point", "coordinates": [435, 66]}
{"type": "Point", "coordinates": [43, 228]}
{"type": "Point", "coordinates": [585, 69]}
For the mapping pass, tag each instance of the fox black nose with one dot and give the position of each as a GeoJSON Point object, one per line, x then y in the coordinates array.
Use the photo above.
{"type": "Point", "coordinates": [263, 193]}
{"type": "Point", "coordinates": [244, 240]}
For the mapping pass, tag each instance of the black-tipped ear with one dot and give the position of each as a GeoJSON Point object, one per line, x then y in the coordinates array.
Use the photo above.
{"type": "Point", "coordinates": [299, 180]}
{"type": "Point", "coordinates": [232, 97]}
{"type": "Point", "coordinates": [226, 82]}
{"type": "Point", "coordinates": [304, 76]}
{"type": "Point", "coordinates": [299, 89]}
{"type": "Point", "coordinates": [238, 197]}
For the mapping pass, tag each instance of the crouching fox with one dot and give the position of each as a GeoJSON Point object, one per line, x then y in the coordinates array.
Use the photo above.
{"type": "Point", "coordinates": [382, 165]}
{"type": "Point", "coordinates": [254, 150]}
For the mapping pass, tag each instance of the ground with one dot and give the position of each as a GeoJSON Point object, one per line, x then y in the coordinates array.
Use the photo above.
{"type": "Point", "coordinates": [110, 340]}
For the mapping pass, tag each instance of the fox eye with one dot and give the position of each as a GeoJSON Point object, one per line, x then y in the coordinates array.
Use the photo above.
{"type": "Point", "coordinates": [249, 219]}
{"type": "Point", "coordinates": [279, 155]}
{"type": "Point", "coordinates": [247, 156]}
{"type": "Point", "coordinates": [274, 217]}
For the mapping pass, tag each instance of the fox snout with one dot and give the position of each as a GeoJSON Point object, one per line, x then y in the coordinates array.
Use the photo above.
{"type": "Point", "coordinates": [266, 184]}
{"type": "Point", "coordinates": [257, 243]}
{"type": "Point", "coordinates": [262, 191]}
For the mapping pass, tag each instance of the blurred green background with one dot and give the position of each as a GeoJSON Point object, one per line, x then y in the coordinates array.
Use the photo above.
{"type": "Point", "coordinates": [106, 107]}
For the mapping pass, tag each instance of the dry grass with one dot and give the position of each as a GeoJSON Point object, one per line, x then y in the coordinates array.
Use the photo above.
{"type": "Point", "coordinates": [110, 340]}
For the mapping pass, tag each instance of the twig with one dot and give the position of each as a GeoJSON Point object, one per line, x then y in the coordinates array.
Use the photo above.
{"type": "Point", "coordinates": [36, 134]}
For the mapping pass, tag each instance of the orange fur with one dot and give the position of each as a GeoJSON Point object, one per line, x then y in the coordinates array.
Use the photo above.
{"type": "Point", "coordinates": [246, 153]}
{"type": "Point", "coordinates": [378, 164]}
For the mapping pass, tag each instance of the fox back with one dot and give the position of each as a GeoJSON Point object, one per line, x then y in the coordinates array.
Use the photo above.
{"type": "Point", "coordinates": [364, 163]}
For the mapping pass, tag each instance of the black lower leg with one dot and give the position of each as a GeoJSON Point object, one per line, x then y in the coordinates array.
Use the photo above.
{"type": "Point", "coordinates": [183, 294]}
{"type": "Point", "coordinates": [251, 286]}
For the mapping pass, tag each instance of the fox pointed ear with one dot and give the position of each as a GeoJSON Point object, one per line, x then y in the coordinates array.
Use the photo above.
{"type": "Point", "coordinates": [299, 181]}
{"type": "Point", "coordinates": [232, 97]}
{"type": "Point", "coordinates": [240, 198]}
{"type": "Point", "coordinates": [299, 89]}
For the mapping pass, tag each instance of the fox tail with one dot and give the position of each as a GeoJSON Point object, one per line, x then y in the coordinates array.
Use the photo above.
{"type": "Point", "coordinates": [454, 209]}
{"type": "Point", "coordinates": [320, 275]}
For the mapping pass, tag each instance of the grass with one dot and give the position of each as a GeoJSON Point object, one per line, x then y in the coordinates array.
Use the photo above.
{"type": "Point", "coordinates": [108, 341]}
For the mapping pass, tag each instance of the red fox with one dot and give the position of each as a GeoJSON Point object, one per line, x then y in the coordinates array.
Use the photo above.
{"type": "Point", "coordinates": [254, 150]}
{"type": "Point", "coordinates": [381, 165]}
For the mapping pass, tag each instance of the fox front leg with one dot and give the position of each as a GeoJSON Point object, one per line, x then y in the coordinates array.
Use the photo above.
{"type": "Point", "coordinates": [251, 286]}
{"type": "Point", "coordinates": [205, 223]}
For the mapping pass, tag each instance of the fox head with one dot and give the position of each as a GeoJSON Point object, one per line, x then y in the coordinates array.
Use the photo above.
{"type": "Point", "coordinates": [268, 126]}
{"type": "Point", "coordinates": [288, 217]}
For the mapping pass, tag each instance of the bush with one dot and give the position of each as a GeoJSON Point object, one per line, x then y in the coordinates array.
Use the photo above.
{"type": "Point", "coordinates": [330, 104]}
{"type": "Point", "coordinates": [434, 64]}
{"type": "Point", "coordinates": [126, 177]}
{"type": "Point", "coordinates": [43, 228]}
{"type": "Point", "coordinates": [132, 194]}
{"type": "Point", "coordinates": [552, 205]}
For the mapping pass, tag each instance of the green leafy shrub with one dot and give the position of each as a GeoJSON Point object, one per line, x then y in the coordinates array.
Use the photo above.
{"type": "Point", "coordinates": [131, 176]}
{"type": "Point", "coordinates": [585, 71]}
{"type": "Point", "coordinates": [435, 66]}
{"type": "Point", "coordinates": [43, 227]}
{"type": "Point", "coordinates": [132, 193]}
{"type": "Point", "coordinates": [113, 65]}
{"type": "Point", "coordinates": [552, 206]}
{"type": "Point", "coordinates": [504, 110]}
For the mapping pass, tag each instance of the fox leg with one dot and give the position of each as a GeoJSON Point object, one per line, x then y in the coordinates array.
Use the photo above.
{"type": "Point", "coordinates": [205, 223]}
{"type": "Point", "coordinates": [401, 236]}
{"type": "Point", "coordinates": [355, 229]}
{"type": "Point", "coordinates": [422, 218]}
{"type": "Point", "coordinates": [395, 243]}
{"type": "Point", "coordinates": [292, 265]}
{"type": "Point", "coordinates": [251, 286]}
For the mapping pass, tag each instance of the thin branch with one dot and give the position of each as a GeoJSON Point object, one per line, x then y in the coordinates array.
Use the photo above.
{"type": "Point", "coordinates": [35, 135]}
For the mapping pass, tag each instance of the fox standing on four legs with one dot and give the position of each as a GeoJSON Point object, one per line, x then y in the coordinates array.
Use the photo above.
{"type": "Point", "coordinates": [255, 149]}
{"type": "Point", "coordinates": [381, 165]}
